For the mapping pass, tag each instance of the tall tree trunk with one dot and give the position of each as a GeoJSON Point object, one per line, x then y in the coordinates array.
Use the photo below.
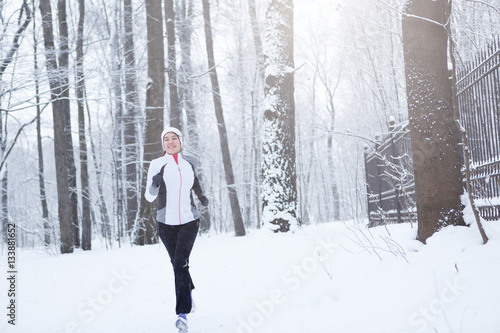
{"type": "Point", "coordinates": [97, 166]}
{"type": "Point", "coordinates": [256, 98]}
{"type": "Point", "coordinates": [330, 106]}
{"type": "Point", "coordinates": [130, 119]}
{"type": "Point", "coordinates": [84, 174]}
{"type": "Point", "coordinates": [331, 166]}
{"type": "Point", "coordinates": [154, 115]}
{"type": "Point", "coordinates": [60, 111]}
{"type": "Point", "coordinates": [64, 96]}
{"type": "Point", "coordinates": [175, 107]}
{"type": "Point", "coordinates": [256, 159]}
{"type": "Point", "coordinates": [239, 228]}
{"type": "Point", "coordinates": [185, 10]}
{"type": "Point", "coordinates": [436, 159]}
{"type": "Point", "coordinates": [117, 145]}
{"type": "Point", "coordinates": [279, 175]}
{"type": "Point", "coordinates": [47, 230]}
{"type": "Point", "coordinates": [394, 37]}
{"type": "Point", "coordinates": [259, 53]}
{"type": "Point", "coordinates": [246, 136]}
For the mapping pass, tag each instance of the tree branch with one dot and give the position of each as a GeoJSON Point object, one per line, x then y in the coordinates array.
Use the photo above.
{"type": "Point", "coordinates": [486, 4]}
{"type": "Point", "coordinates": [4, 157]}
{"type": "Point", "coordinates": [15, 43]}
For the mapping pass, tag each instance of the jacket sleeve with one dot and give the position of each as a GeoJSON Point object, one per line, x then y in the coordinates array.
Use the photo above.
{"type": "Point", "coordinates": [197, 188]}
{"type": "Point", "coordinates": [151, 191]}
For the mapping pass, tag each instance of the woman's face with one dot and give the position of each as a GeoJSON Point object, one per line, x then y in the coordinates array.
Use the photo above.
{"type": "Point", "coordinates": [171, 143]}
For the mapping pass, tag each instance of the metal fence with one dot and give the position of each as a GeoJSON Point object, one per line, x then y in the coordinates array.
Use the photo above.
{"type": "Point", "coordinates": [478, 93]}
{"type": "Point", "coordinates": [389, 171]}
{"type": "Point", "coordinates": [389, 178]}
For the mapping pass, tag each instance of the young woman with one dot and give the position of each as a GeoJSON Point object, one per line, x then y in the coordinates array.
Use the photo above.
{"type": "Point", "coordinates": [171, 180]}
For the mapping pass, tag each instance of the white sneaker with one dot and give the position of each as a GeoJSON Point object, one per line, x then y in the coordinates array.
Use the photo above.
{"type": "Point", "coordinates": [181, 323]}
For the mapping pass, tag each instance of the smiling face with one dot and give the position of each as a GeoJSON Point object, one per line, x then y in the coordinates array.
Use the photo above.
{"type": "Point", "coordinates": [171, 143]}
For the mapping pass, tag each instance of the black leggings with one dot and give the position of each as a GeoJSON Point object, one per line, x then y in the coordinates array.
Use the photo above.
{"type": "Point", "coordinates": [179, 240]}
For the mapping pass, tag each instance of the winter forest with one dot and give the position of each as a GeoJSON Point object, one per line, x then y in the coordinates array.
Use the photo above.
{"type": "Point", "coordinates": [279, 100]}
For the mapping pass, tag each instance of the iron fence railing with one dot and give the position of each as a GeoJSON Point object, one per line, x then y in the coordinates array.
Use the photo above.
{"type": "Point", "coordinates": [389, 175]}
{"type": "Point", "coordinates": [478, 94]}
{"type": "Point", "coordinates": [389, 171]}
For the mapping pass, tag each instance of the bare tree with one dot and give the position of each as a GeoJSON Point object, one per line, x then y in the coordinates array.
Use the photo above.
{"type": "Point", "coordinates": [154, 114]}
{"type": "Point", "coordinates": [131, 115]}
{"type": "Point", "coordinates": [279, 175]}
{"type": "Point", "coordinates": [259, 53]}
{"type": "Point", "coordinates": [103, 209]}
{"type": "Point", "coordinates": [62, 131]}
{"type": "Point", "coordinates": [41, 173]}
{"type": "Point", "coordinates": [256, 99]}
{"type": "Point", "coordinates": [63, 76]}
{"type": "Point", "coordinates": [436, 159]}
{"type": "Point", "coordinates": [84, 174]}
{"type": "Point", "coordinates": [239, 227]}
{"type": "Point", "coordinates": [117, 145]}
{"type": "Point", "coordinates": [330, 106]}
{"type": "Point", "coordinates": [185, 13]}
{"type": "Point", "coordinates": [175, 106]}
{"type": "Point", "coordinates": [25, 9]}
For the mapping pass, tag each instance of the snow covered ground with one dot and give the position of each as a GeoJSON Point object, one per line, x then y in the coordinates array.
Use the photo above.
{"type": "Point", "coordinates": [335, 277]}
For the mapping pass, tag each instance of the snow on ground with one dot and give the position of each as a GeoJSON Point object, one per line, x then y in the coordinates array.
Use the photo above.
{"type": "Point", "coordinates": [335, 277]}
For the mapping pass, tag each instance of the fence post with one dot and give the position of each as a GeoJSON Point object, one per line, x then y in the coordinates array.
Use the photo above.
{"type": "Point", "coordinates": [367, 183]}
{"type": "Point", "coordinates": [392, 128]}
{"type": "Point", "coordinates": [379, 182]}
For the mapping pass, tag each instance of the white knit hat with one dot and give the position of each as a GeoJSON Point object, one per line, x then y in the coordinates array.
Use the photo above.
{"type": "Point", "coordinates": [168, 130]}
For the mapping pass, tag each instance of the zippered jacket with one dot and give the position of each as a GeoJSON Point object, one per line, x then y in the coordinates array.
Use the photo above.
{"type": "Point", "coordinates": [175, 204]}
